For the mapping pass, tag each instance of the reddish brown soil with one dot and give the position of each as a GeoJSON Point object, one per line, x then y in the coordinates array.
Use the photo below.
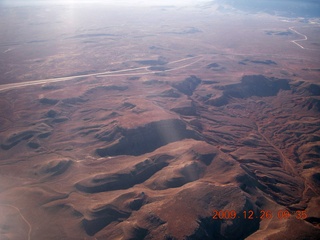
{"type": "Point", "coordinates": [152, 154]}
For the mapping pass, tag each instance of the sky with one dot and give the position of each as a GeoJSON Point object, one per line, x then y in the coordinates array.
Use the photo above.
{"type": "Point", "coordinates": [289, 8]}
{"type": "Point", "coordinates": [108, 2]}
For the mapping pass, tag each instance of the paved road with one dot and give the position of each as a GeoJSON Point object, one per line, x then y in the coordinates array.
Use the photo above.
{"type": "Point", "coordinates": [124, 72]}
{"type": "Point", "coordinates": [299, 40]}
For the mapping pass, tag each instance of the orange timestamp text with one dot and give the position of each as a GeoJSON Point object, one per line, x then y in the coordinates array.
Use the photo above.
{"type": "Point", "coordinates": [262, 214]}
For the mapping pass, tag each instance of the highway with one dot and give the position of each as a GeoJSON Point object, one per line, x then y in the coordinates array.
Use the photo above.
{"type": "Point", "coordinates": [123, 72]}
{"type": "Point", "coordinates": [299, 40]}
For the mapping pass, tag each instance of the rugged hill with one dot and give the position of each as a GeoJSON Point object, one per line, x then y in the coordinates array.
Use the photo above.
{"type": "Point", "coordinates": [137, 160]}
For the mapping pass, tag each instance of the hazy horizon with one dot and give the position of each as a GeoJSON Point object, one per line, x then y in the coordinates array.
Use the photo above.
{"type": "Point", "coordinates": [289, 8]}
{"type": "Point", "coordinates": [107, 2]}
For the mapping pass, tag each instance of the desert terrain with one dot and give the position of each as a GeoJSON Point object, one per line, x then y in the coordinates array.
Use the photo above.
{"type": "Point", "coordinates": [144, 122]}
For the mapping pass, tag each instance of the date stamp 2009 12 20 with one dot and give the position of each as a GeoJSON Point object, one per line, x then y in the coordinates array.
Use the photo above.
{"type": "Point", "coordinates": [262, 214]}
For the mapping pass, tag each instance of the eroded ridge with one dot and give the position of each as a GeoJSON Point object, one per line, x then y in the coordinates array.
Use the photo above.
{"type": "Point", "coordinates": [116, 165]}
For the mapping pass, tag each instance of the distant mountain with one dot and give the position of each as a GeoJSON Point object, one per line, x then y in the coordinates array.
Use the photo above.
{"type": "Point", "coordinates": [290, 8]}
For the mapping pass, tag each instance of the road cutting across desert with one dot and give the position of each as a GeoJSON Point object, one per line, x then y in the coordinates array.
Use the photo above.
{"type": "Point", "coordinates": [122, 72]}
